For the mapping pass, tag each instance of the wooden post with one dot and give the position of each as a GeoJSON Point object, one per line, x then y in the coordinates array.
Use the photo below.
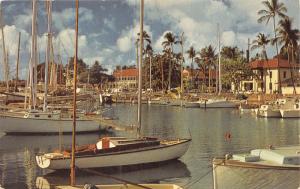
{"type": "Point", "coordinates": [74, 100]}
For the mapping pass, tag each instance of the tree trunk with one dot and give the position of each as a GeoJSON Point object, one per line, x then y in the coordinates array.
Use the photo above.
{"type": "Point", "coordinates": [278, 59]}
{"type": "Point", "coordinates": [291, 71]}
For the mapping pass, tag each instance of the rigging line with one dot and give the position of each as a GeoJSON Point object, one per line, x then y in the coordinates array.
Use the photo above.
{"type": "Point", "coordinates": [190, 184]}
{"type": "Point", "coordinates": [114, 178]}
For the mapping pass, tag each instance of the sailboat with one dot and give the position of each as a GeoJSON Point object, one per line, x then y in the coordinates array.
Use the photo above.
{"type": "Point", "coordinates": [34, 120]}
{"type": "Point", "coordinates": [117, 151]}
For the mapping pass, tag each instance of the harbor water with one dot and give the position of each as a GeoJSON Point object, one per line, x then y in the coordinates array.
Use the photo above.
{"type": "Point", "coordinates": [209, 130]}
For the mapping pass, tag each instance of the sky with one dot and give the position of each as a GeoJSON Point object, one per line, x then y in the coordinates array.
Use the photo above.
{"type": "Point", "coordinates": [108, 28]}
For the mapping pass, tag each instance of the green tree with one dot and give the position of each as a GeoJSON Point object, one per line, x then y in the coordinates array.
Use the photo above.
{"type": "Point", "coordinates": [289, 38]}
{"type": "Point", "coordinates": [192, 53]}
{"type": "Point", "coordinates": [168, 44]}
{"type": "Point", "coordinates": [273, 9]}
{"type": "Point", "coordinates": [260, 43]}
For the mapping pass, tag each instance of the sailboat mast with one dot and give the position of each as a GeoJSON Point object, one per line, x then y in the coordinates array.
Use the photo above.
{"type": "Point", "coordinates": [18, 59]}
{"type": "Point", "coordinates": [33, 58]}
{"type": "Point", "coordinates": [74, 99]}
{"type": "Point", "coordinates": [219, 56]}
{"type": "Point", "coordinates": [140, 67]}
{"type": "Point", "coordinates": [49, 9]}
{"type": "Point", "coordinates": [3, 48]}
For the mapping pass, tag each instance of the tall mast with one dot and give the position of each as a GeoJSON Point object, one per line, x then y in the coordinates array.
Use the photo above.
{"type": "Point", "coordinates": [3, 50]}
{"type": "Point", "coordinates": [140, 67]}
{"type": "Point", "coordinates": [18, 58]}
{"type": "Point", "coordinates": [74, 99]}
{"type": "Point", "coordinates": [181, 75]}
{"type": "Point", "coordinates": [49, 10]}
{"type": "Point", "coordinates": [219, 56]}
{"type": "Point", "coordinates": [33, 57]}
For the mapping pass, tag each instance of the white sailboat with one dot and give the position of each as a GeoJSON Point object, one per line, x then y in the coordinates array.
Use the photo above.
{"type": "Point", "coordinates": [117, 151]}
{"type": "Point", "coordinates": [36, 121]}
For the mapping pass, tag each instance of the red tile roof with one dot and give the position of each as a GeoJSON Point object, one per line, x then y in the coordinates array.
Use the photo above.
{"type": "Point", "coordinates": [273, 63]}
{"type": "Point", "coordinates": [126, 73]}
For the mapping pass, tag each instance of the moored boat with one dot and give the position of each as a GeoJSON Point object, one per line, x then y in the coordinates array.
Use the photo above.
{"type": "Point", "coordinates": [116, 151]}
{"type": "Point", "coordinates": [219, 103]}
{"type": "Point", "coordinates": [37, 122]}
{"type": "Point", "coordinates": [293, 112]}
{"type": "Point", "coordinates": [263, 168]}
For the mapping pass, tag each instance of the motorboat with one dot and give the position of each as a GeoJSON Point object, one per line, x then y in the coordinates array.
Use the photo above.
{"type": "Point", "coordinates": [273, 167]}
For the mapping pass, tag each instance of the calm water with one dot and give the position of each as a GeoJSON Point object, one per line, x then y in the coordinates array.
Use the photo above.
{"type": "Point", "coordinates": [193, 170]}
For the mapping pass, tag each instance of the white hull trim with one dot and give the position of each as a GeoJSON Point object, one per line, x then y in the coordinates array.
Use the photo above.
{"type": "Point", "coordinates": [290, 113]}
{"type": "Point", "coordinates": [16, 125]}
{"type": "Point", "coordinates": [130, 157]}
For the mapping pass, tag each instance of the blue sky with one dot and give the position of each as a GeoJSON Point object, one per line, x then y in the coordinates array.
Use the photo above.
{"type": "Point", "coordinates": [107, 28]}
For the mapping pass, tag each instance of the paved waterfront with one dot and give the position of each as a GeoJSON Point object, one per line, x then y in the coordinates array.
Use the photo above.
{"type": "Point", "coordinates": [193, 170]}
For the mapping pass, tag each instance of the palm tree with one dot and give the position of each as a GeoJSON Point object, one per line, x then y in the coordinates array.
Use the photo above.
{"type": "Point", "coordinates": [146, 38]}
{"type": "Point", "coordinates": [229, 52]}
{"type": "Point", "coordinates": [202, 67]}
{"type": "Point", "coordinates": [149, 53]}
{"type": "Point", "coordinates": [289, 38]}
{"type": "Point", "coordinates": [209, 56]}
{"type": "Point", "coordinates": [170, 40]}
{"type": "Point", "coordinates": [260, 42]}
{"type": "Point", "coordinates": [273, 8]}
{"type": "Point", "coordinates": [192, 53]}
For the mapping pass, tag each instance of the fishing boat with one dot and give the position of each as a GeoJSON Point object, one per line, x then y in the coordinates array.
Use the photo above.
{"type": "Point", "coordinates": [119, 151]}
{"type": "Point", "coordinates": [273, 167]}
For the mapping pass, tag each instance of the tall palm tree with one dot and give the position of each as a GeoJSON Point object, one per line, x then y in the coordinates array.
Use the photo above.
{"type": "Point", "coordinates": [273, 8]}
{"type": "Point", "coordinates": [260, 43]}
{"type": "Point", "coordinates": [149, 53]}
{"type": "Point", "coordinates": [209, 56]}
{"type": "Point", "coordinates": [192, 53]}
{"type": "Point", "coordinates": [169, 42]}
{"type": "Point", "coordinates": [202, 67]}
{"type": "Point", "coordinates": [289, 38]}
{"type": "Point", "coordinates": [146, 38]}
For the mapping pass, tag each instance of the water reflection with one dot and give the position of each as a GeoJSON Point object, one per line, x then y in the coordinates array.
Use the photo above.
{"type": "Point", "coordinates": [173, 169]}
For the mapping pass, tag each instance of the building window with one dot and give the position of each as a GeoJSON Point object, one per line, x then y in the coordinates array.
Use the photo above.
{"type": "Point", "coordinates": [284, 74]}
{"type": "Point", "coordinates": [270, 86]}
{"type": "Point", "coordinates": [270, 74]}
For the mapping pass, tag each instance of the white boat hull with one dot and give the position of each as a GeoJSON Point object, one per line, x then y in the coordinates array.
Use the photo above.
{"type": "Point", "coordinates": [240, 177]}
{"type": "Point", "coordinates": [268, 113]}
{"type": "Point", "coordinates": [9, 124]}
{"type": "Point", "coordinates": [219, 104]}
{"type": "Point", "coordinates": [192, 105]}
{"type": "Point", "coordinates": [290, 113]}
{"type": "Point", "coordinates": [129, 157]}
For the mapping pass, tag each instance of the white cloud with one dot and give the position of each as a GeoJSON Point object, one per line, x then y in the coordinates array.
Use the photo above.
{"type": "Point", "coordinates": [128, 37]}
{"type": "Point", "coordinates": [228, 38]}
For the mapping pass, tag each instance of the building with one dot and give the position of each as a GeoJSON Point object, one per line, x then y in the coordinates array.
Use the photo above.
{"type": "Point", "coordinates": [125, 79]}
{"type": "Point", "coordinates": [267, 76]}
{"type": "Point", "coordinates": [200, 80]}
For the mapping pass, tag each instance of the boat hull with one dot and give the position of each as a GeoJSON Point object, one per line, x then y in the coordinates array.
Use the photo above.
{"type": "Point", "coordinates": [290, 113]}
{"type": "Point", "coordinates": [20, 125]}
{"type": "Point", "coordinates": [236, 177]}
{"type": "Point", "coordinates": [125, 158]}
{"type": "Point", "coordinates": [221, 104]}
{"type": "Point", "coordinates": [269, 113]}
